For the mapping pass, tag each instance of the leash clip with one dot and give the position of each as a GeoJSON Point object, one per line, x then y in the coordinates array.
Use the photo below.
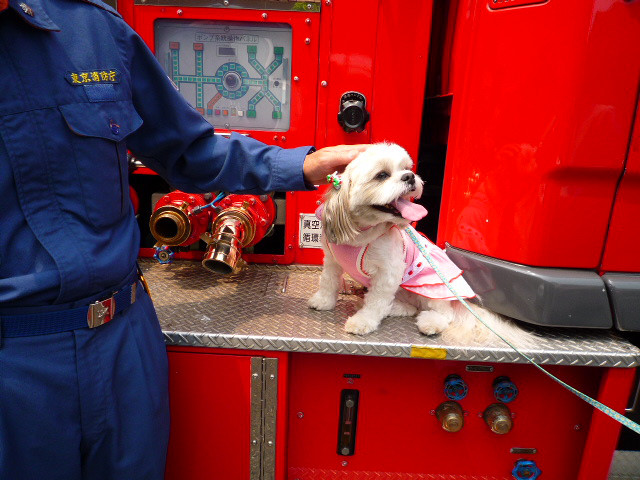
{"type": "Point", "coordinates": [101, 312]}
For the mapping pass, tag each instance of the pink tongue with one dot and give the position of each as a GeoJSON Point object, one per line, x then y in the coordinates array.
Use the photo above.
{"type": "Point", "coordinates": [409, 210]}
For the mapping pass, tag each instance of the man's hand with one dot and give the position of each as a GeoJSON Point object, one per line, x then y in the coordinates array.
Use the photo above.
{"type": "Point", "coordinates": [4, 4]}
{"type": "Point", "coordinates": [327, 160]}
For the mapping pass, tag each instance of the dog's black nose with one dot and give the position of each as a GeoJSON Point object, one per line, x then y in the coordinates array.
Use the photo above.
{"type": "Point", "coordinates": [410, 178]}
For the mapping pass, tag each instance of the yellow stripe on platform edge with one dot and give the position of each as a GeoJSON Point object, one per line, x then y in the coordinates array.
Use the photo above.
{"type": "Point", "coordinates": [418, 351]}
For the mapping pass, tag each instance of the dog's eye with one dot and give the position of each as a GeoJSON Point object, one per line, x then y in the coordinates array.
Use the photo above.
{"type": "Point", "coordinates": [382, 175]}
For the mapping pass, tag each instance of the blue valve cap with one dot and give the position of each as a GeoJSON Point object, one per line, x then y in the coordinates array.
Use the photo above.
{"type": "Point", "coordinates": [455, 388]}
{"type": "Point", "coordinates": [505, 390]}
{"type": "Point", "coordinates": [163, 254]}
{"type": "Point", "coordinates": [526, 470]}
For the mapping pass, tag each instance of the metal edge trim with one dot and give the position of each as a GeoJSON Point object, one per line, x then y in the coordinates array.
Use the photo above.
{"type": "Point", "coordinates": [256, 419]}
{"type": "Point", "coordinates": [270, 402]}
{"type": "Point", "coordinates": [309, 6]}
{"type": "Point", "coordinates": [289, 344]}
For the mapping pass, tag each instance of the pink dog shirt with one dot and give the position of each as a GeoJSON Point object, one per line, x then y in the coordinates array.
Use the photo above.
{"type": "Point", "coordinates": [419, 277]}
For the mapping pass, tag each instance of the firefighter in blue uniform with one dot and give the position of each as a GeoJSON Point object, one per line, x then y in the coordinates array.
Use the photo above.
{"type": "Point", "coordinates": [78, 88]}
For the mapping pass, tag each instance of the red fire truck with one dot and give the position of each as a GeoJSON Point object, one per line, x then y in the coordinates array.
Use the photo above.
{"type": "Point", "coordinates": [521, 116]}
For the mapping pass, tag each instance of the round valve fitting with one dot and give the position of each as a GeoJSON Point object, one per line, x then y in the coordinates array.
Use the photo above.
{"type": "Point", "coordinates": [163, 254]}
{"type": "Point", "coordinates": [455, 388]}
{"type": "Point", "coordinates": [504, 390]}
{"type": "Point", "coordinates": [526, 470]}
{"type": "Point", "coordinates": [498, 417]}
{"type": "Point", "coordinates": [450, 416]}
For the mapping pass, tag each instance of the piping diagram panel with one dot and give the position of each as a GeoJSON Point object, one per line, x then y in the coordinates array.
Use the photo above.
{"type": "Point", "coordinates": [236, 74]}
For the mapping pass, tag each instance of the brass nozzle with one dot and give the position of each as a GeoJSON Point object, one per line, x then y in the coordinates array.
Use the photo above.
{"type": "Point", "coordinates": [498, 417]}
{"type": "Point", "coordinates": [232, 230]}
{"type": "Point", "coordinates": [170, 225]}
{"type": "Point", "coordinates": [450, 416]}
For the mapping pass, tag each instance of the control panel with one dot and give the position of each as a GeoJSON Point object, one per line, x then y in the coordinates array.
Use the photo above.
{"type": "Point", "coordinates": [236, 74]}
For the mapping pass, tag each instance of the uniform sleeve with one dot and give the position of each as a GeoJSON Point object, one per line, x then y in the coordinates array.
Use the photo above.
{"type": "Point", "coordinates": [179, 144]}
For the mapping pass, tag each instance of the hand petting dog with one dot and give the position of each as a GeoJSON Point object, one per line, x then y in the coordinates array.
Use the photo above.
{"type": "Point", "coordinates": [322, 162]}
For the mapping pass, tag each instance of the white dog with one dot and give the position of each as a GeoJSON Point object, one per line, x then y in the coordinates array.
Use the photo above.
{"type": "Point", "coordinates": [364, 221]}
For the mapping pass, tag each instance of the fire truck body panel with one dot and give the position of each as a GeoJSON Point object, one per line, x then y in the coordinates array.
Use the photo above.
{"type": "Point", "coordinates": [542, 117]}
{"type": "Point", "coordinates": [540, 178]}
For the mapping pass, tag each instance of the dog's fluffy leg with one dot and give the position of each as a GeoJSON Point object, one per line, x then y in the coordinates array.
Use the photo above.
{"type": "Point", "coordinates": [327, 295]}
{"type": "Point", "coordinates": [385, 265]}
{"type": "Point", "coordinates": [377, 305]}
{"type": "Point", "coordinates": [437, 319]}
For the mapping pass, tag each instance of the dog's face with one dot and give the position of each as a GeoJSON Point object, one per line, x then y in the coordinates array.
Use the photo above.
{"type": "Point", "coordinates": [376, 188]}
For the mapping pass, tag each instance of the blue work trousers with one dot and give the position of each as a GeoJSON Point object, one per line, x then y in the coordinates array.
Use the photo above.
{"type": "Point", "coordinates": [87, 404]}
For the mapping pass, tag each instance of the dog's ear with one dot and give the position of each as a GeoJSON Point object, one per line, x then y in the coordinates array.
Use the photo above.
{"type": "Point", "coordinates": [336, 217]}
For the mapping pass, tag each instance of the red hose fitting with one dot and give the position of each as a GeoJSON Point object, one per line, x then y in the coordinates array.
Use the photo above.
{"type": "Point", "coordinates": [178, 218]}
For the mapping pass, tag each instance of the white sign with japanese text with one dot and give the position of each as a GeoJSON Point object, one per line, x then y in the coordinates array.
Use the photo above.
{"type": "Point", "coordinates": [310, 231]}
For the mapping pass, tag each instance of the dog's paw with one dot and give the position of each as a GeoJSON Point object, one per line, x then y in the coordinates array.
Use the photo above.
{"type": "Point", "coordinates": [361, 324]}
{"type": "Point", "coordinates": [320, 301]}
{"type": "Point", "coordinates": [402, 309]}
{"type": "Point", "coordinates": [431, 322]}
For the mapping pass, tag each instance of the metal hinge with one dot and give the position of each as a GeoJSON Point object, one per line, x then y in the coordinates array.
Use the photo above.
{"type": "Point", "coordinates": [264, 406]}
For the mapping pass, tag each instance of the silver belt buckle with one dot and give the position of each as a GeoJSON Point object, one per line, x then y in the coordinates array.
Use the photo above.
{"type": "Point", "coordinates": [101, 312]}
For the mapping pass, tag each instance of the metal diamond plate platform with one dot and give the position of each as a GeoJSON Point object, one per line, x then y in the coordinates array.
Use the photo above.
{"type": "Point", "coordinates": [625, 465]}
{"type": "Point", "coordinates": [265, 308]}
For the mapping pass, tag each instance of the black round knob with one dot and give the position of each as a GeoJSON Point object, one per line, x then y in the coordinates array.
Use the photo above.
{"type": "Point", "coordinates": [353, 115]}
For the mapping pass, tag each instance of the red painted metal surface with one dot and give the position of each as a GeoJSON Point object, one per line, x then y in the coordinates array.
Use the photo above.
{"type": "Point", "coordinates": [598, 451]}
{"type": "Point", "coordinates": [621, 252]}
{"type": "Point", "coordinates": [540, 126]}
{"type": "Point", "coordinates": [210, 395]}
{"type": "Point", "coordinates": [210, 399]}
{"type": "Point", "coordinates": [398, 435]}
{"type": "Point", "coordinates": [397, 432]}
{"type": "Point", "coordinates": [400, 70]}
{"type": "Point", "coordinates": [378, 48]}
{"type": "Point", "coordinates": [351, 33]}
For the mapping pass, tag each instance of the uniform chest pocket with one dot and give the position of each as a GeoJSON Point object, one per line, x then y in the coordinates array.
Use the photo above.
{"type": "Point", "coordinates": [98, 132]}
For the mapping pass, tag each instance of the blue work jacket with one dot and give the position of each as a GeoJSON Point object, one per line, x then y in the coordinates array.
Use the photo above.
{"type": "Point", "coordinates": [78, 87]}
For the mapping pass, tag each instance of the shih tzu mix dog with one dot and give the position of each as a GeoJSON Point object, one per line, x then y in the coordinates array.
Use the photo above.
{"type": "Point", "coordinates": [365, 217]}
